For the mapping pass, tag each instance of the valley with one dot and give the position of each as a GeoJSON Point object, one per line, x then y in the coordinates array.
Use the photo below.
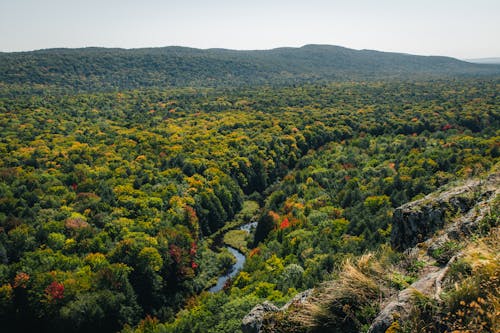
{"type": "Point", "coordinates": [130, 189]}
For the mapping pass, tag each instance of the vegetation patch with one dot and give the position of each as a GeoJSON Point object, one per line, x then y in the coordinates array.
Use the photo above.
{"type": "Point", "coordinates": [446, 251]}
{"type": "Point", "coordinates": [237, 239]}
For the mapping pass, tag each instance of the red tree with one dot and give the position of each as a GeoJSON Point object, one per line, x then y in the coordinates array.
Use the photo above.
{"type": "Point", "coordinates": [285, 223]}
{"type": "Point", "coordinates": [55, 290]}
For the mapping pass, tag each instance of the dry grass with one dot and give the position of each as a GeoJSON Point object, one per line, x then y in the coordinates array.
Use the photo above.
{"type": "Point", "coordinates": [472, 302]}
{"type": "Point", "coordinates": [471, 297]}
{"type": "Point", "coordinates": [348, 303]}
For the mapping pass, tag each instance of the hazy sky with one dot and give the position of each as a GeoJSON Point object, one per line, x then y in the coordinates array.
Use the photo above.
{"type": "Point", "coordinates": [458, 28]}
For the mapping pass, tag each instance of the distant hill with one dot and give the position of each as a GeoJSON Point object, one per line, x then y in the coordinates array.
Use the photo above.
{"type": "Point", "coordinates": [96, 69]}
{"type": "Point", "coordinates": [485, 60]}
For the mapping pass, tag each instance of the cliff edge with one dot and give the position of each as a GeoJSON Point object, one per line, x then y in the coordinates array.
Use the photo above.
{"type": "Point", "coordinates": [438, 233]}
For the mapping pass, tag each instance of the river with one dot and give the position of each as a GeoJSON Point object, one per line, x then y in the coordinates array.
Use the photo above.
{"type": "Point", "coordinates": [240, 260]}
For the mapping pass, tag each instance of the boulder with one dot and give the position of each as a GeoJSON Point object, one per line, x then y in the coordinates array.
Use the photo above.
{"type": "Point", "coordinates": [252, 322]}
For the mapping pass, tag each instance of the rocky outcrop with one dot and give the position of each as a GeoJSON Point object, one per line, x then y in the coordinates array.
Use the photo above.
{"type": "Point", "coordinates": [298, 299]}
{"type": "Point", "coordinates": [253, 321]}
{"type": "Point", "coordinates": [416, 221]}
{"type": "Point", "coordinates": [422, 228]}
{"type": "Point", "coordinates": [477, 206]}
{"type": "Point", "coordinates": [401, 306]}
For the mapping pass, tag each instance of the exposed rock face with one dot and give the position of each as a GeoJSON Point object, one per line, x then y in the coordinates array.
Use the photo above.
{"type": "Point", "coordinates": [403, 303]}
{"type": "Point", "coordinates": [456, 212]}
{"type": "Point", "coordinates": [429, 282]}
{"type": "Point", "coordinates": [416, 221]}
{"type": "Point", "coordinates": [298, 299]}
{"type": "Point", "coordinates": [253, 321]}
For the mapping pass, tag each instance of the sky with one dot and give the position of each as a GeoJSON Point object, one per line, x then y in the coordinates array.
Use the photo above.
{"type": "Point", "coordinates": [463, 29]}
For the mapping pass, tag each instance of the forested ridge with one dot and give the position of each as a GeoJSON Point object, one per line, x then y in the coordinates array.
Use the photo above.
{"type": "Point", "coordinates": [110, 201]}
{"type": "Point", "coordinates": [102, 69]}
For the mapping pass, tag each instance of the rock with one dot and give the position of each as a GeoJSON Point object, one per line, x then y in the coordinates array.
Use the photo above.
{"type": "Point", "coordinates": [298, 299]}
{"type": "Point", "coordinates": [386, 317]}
{"type": "Point", "coordinates": [420, 219]}
{"type": "Point", "coordinates": [411, 226]}
{"type": "Point", "coordinates": [456, 212]}
{"type": "Point", "coordinates": [400, 308]}
{"type": "Point", "coordinates": [416, 221]}
{"type": "Point", "coordinates": [252, 322]}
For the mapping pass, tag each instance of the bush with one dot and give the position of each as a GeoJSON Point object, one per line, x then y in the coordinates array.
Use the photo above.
{"type": "Point", "coordinates": [225, 261]}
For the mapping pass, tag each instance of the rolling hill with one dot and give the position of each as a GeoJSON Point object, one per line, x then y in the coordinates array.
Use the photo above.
{"type": "Point", "coordinates": [103, 69]}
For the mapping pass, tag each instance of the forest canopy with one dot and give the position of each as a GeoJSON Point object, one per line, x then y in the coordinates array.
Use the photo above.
{"type": "Point", "coordinates": [111, 202]}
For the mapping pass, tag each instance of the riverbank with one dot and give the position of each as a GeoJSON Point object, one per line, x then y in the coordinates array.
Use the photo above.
{"type": "Point", "coordinates": [240, 238]}
{"type": "Point", "coordinates": [237, 238]}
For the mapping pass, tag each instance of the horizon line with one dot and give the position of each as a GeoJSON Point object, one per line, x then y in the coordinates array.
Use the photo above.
{"type": "Point", "coordinates": [236, 49]}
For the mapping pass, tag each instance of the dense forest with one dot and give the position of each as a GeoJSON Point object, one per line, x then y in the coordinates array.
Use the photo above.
{"type": "Point", "coordinates": [115, 203]}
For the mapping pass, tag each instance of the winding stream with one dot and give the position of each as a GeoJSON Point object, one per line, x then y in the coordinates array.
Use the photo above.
{"type": "Point", "coordinates": [240, 260]}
